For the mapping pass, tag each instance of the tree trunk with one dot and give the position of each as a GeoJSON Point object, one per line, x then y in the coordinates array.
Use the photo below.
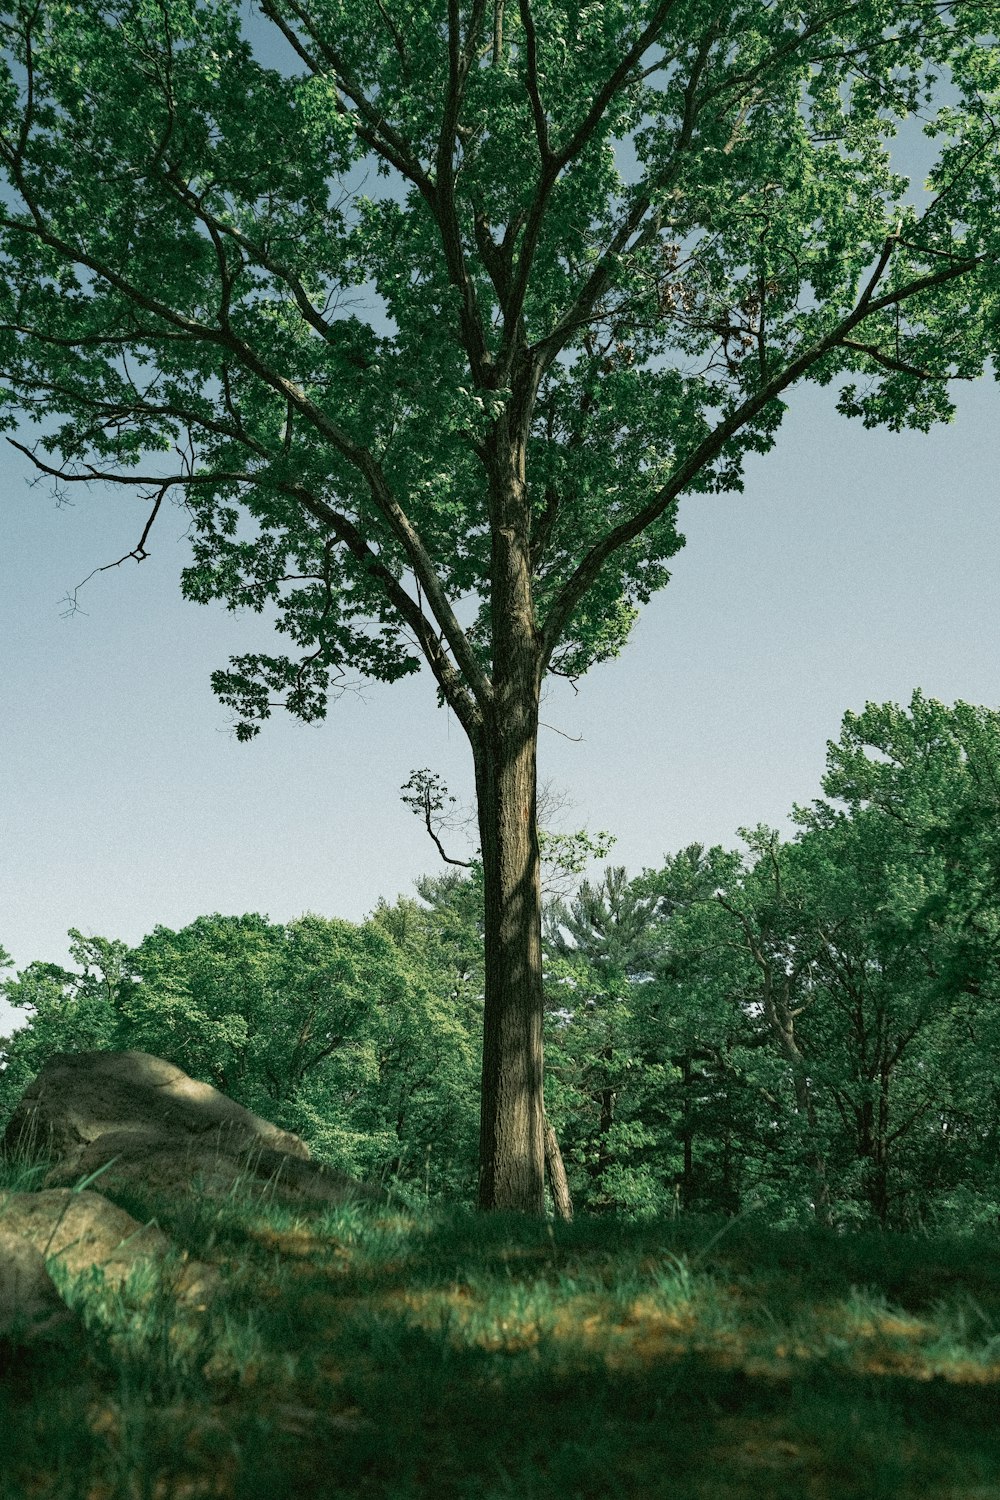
{"type": "Point", "coordinates": [806, 1106]}
{"type": "Point", "coordinates": [781, 1018]}
{"type": "Point", "coordinates": [687, 1134]}
{"type": "Point", "coordinates": [504, 744]}
{"type": "Point", "coordinates": [556, 1173]}
{"type": "Point", "coordinates": [512, 1141]}
{"type": "Point", "coordinates": [608, 1099]}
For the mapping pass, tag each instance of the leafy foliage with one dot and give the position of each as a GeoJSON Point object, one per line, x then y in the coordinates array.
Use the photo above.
{"type": "Point", "coordinates": [612, 235]}
{"type": "Point", "coordinates": [323, 1026]}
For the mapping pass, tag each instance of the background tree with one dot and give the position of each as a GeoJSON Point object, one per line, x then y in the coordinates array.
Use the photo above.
{"type": "Point", "coordinates": [724, 1115]}
{"type": "Point", "coordinates": [928, 777]}
{"type": "Point", "coordinates": [326, 1027]}
{"type": "Point", "coordinates": [596, 948]}
{"type": "Point", "coordinates": [603, 241]}
{"type": "Point", "coordinates": [67, 1010]}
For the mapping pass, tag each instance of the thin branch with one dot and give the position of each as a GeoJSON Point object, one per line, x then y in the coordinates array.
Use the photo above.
{"type": "Point", "coordinates": [91, 340]}
{"type": "Point", "coordinates": [396, 34]}
{"type": "Point", "coordinates": [576, 739]}
{"type": "Point", "coordinates": [531, 82]}
{"type": "Point", "coordinates": [898, 365]}
{"type": "Point", "coordinates": [106, 477]}
{"type": "Point", "coordinates": [466, 864]}
{"type": "Point", "coordinates": [138, 554]}
{"type": "Point", "coordinates": [369, 122]}
{"type": "Point", "coordinates": [580, 312]}
{"type": "Point", "coordinates": [182, 193]}
{"type": "Point", "coordinates": [555, 161]}
{"type": "Point", "coordinates": [646, 39]}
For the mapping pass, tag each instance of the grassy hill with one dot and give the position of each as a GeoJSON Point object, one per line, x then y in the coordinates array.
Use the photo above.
{"type": "Point", "coordinates": [412, 1352]}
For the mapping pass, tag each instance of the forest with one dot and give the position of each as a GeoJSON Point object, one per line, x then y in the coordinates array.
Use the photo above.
{"type": "Point", "coordinates": [803, 1030]}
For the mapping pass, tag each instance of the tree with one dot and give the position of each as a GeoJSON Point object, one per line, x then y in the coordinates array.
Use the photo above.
{"type": "Point", "coordinates": [69, 1010]}
{"type": "Point", "coordinates": [932, 773]}
{"type": "Point", "coordinates": [727, 1107]}
{"type": "Point", "coordinates": [925, 782]}
{"type": "Point", "coordinates": [601, 242]}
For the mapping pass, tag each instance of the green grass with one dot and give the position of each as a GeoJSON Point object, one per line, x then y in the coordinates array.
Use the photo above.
{"type": "Point", "coordinates": [368, 1352]}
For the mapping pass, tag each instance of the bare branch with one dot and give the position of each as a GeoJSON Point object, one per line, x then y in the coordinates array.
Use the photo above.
{"type": "Point", "coordinates": [426, 795]}
{"type": "Point", "coordinates": [576, 739]}
{"type": "Point", "coordinates": [137, 554]}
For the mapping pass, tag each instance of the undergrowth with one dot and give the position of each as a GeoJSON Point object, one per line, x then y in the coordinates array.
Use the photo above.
{"type": "Point", "coordinates": [367, 1351]}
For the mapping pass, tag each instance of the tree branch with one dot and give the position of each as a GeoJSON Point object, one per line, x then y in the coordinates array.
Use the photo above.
{"type": "Point", "coordinates": [589, 568]}
{"type": "Point", "coordinates": [890, 363]}
{"type": "Point", "coordinates": [646, 39]}
{"type": "Point", "coordinates": [460, 56]}
{"type": "Point", "coordinates": [358, 456]}
{"type": "Point", "coordinates": [531, 82]}
{"type": "Point", "coordinates": [369, 123]}
{"type": "Point", "coordinates": [580, 312]}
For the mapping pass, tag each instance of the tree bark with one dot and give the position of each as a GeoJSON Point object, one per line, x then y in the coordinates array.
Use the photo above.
{"type": "Point", "coordinates": [511, 1119]}
{"type": "Point", "coordinates": [512, 1142]}
{"type": "Point", "coordinates": [687, 1134]}
{"type": "Point", "coordinates": [504, 745]}
{"type": "Point", "coordinates": [556, 1172]}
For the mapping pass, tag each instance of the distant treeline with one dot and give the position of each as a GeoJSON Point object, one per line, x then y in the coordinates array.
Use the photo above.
{"type": "Point", "coordinates": [808, 1027]}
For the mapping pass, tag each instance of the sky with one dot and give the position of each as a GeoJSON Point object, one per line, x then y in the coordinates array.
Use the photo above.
{"type": "Point", "coordinates": [856, 566]}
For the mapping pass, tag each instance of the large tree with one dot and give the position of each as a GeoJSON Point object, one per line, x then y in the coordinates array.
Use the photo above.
{"type": "Point", "coordinates": [431, 327]}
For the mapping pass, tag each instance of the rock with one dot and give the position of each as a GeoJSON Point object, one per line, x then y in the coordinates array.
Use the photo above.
{"type": "Point", "coordinates": [84, 1229]}
{"type": "Point", "coordinates": [143, 1123]}
{"type": "Point", "coordinates": [80, 1096]}
{"type": "Point", "coordinates": [31, 1310]}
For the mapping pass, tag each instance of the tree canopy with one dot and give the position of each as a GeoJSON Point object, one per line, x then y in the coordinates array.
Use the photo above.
{"type": "Point", "coordinates": [644, 221]}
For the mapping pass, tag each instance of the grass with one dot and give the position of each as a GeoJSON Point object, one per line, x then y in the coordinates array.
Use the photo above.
{"type": "Point", "coordinates": [367, 1352]}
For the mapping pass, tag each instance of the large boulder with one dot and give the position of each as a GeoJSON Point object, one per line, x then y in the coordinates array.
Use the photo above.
{"type": "Point", "coordinates": [81, 1233]}
{"type": "Point", "coordinates": [142, 1123]}
{"type": "Point", "coordinates": [80, 1096]}
{"type": "Point", "coordinates": [31, 1310]}
{"type": "Point", "coordinates": [83, 1230]}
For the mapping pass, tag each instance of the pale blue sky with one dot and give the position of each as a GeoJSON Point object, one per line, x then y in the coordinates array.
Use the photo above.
{"type": "Point", "coordinates": [857, 566]}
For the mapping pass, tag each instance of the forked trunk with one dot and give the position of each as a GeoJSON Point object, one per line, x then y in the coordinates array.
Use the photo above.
{"type": "Point", "coordinates": [555, 1168]}
{"type": "Point", "coordinates": [512, 1119]}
